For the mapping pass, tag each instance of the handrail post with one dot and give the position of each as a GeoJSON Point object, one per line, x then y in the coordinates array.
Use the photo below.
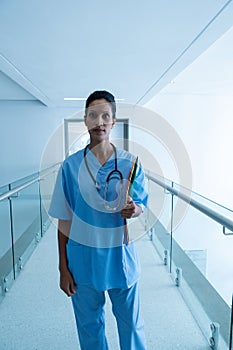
{"type": "Point", "coordinates": [171, 229]}
{"type": "Point", "coordinates": [147, 218]}
{"type": "Point", "coordinates": [231, 325]}
{"type": "Point", "coordinates": [41, 214]}
{"type": "Point", "coordinates": [12, 233]}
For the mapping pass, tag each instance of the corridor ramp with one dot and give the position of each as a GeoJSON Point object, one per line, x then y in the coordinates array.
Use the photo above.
{"type": "Point", "coordinates": [37, 315]}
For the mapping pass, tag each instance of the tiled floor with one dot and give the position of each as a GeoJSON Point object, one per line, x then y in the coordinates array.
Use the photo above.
{"type": "Point", "coordinates": [36, 315]}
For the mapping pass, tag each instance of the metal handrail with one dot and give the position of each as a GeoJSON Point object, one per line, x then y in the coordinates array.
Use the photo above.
{"type": "Point", "coordinates": [193, 192]}
{"type": "Point", "coordinates": [213, 214]}
{"type": "Point", "coordinates": [10, 193]}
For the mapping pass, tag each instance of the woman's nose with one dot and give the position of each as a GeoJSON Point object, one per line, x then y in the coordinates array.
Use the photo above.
{"type": "Point", "coordinates": [99, 120]}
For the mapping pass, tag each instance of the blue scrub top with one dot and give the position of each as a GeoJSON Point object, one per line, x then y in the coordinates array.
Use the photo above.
{"type": "Point", "coordinates": [95, 250]}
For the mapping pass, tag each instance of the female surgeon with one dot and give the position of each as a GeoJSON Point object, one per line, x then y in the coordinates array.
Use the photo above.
{"type": "Point", "coordinates": [95, 256]}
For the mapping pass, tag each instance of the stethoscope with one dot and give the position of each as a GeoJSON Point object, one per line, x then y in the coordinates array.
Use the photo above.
{"type": "Point", "coordinates": [112, 174]}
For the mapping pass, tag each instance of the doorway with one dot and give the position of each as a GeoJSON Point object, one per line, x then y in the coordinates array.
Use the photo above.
{"type": "Point", "coordinates": [76, 135]}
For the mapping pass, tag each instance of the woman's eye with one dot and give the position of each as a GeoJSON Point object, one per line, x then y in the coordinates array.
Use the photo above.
{"type": "Point", "coordinates": [106, 116]}
{"type": "Point", "coordinates": [92, 115]}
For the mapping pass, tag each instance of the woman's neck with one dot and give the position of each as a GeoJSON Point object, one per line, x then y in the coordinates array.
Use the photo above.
{"type": "Point", "coordinates": [102, 150]}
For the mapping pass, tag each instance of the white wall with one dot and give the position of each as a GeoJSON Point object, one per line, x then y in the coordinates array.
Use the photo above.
{"type": "Point", "coordinates": [26, 128]}
{"type": "Point", "coordinates": [199, 105]}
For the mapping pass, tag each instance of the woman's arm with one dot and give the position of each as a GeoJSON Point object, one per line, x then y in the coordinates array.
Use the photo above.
{"type": "Point", "coordinates": [66, 280]}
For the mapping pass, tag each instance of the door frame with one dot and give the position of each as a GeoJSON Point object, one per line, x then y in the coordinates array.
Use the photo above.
{"type": "Point", "coordinates": [125, 122]}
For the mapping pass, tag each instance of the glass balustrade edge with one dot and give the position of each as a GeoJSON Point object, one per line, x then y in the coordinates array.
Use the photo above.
{"type": "Point", "coordinates": [24, 221]}
{"type": "Point", "coordinates": [206, 305]}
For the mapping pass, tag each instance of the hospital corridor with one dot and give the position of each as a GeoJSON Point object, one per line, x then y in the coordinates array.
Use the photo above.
{"type": "Point", "coordinates": [116, 196]}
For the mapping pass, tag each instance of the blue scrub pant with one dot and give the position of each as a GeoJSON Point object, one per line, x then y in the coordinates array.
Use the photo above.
{"type": "Point", "coordinates": [88, 305]}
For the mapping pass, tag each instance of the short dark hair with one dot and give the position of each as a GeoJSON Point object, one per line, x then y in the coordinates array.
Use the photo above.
{"type": "Point", "coordinates": [99, 95]}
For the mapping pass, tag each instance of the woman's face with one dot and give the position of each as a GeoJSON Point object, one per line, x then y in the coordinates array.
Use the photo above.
{"type": "Point", "coordinates": [99, 120]}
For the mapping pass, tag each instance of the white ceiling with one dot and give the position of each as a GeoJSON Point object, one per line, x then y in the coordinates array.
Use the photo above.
{"type": "Point", "coordinates": [54, 49]}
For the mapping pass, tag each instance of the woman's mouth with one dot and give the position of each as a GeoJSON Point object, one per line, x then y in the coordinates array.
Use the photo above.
{"type": "Point", "coordinates": [98, 131]}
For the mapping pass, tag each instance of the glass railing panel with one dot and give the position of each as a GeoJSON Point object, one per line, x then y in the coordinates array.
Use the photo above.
{"type": "Point", "coordinates": [211, 251]}
{"type": "Point", "coordinates": [46, 190]}
{"type": "Point", "coordinates": [198, 252]}
{"type": "Point", "coordinates": [207, 202]}
{"type": "Point", "coordinates": [159, 209]}
{"type": "Point", "coordinates": [24, 219]}
{"type": "Point", "coordinates": [159, 201]}
{"type": "Point", "coordinates": [6, 252]}
{"type": "Point", "coordinates": [204, 255]}
{"type": "Point", "coordinates": [201, 233]}
{"type": "Point", "coordinates": [26, 223]}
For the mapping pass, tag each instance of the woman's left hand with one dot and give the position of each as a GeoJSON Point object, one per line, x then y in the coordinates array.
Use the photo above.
{"type": "Point", "coordinates": [130, 209]}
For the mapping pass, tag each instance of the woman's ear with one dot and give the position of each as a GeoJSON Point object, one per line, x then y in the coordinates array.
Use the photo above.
{"type": "Point", "coordinates": [85, 118]}
{"type": "Point", "coordinates": [113, 122]}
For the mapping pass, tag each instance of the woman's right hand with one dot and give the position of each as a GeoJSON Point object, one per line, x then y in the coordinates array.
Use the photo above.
{"type": "Point", "coordinates": [67, 284]}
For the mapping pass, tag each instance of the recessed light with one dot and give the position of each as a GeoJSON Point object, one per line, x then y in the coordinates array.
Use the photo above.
{"type": "Point", "coordinates": [84, 99]}
{"type": "Point", "coordinates": [74, 98]}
